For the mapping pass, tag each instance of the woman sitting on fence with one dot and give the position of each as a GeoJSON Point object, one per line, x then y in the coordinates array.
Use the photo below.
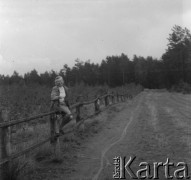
{"type": "Point", "coordinates": [59, 99]}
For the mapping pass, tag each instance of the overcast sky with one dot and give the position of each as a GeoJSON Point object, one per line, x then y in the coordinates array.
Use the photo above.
{"type": "Point", "coordinates": [46, 34]}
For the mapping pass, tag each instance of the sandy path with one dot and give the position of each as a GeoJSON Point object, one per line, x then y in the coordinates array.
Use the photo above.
{"type": "Point", "coordinates": [124, 131]}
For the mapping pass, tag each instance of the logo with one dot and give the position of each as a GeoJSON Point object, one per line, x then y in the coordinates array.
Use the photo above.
{"type": "Point", "coordinates": [123, 169]}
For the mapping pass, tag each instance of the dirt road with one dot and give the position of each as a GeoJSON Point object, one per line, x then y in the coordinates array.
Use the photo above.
{"type": "Point", "coordinates": [154, 126]}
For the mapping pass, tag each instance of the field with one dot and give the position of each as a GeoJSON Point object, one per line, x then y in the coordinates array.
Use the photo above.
{"type": "Point", "coordinates": [23, 101]}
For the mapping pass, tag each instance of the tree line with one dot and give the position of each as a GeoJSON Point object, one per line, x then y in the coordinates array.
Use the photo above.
{"type": "Point", "coordinates": [173, 67]}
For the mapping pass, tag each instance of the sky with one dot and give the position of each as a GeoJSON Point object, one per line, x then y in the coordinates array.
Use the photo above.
{"type": "Point", "coordinates": [46, 34]}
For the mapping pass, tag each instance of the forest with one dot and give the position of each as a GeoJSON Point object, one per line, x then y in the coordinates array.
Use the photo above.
{"type": "Point", "coordinates": [174, 67]}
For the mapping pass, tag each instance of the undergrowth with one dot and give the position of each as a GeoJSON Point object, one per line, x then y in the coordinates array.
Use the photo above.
{"type": "Point", "coordinates": [182, 87]}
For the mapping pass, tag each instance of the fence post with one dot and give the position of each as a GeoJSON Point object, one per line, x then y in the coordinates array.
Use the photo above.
{"type": "Point", "coordinates": [97, 105]}
{"type": "Point", "coordinates": [109, 99]}
{"type": "Point", "coordinates": [78, 117]}
{"type": "Point", "coordinates": [5, 144]}
{"type": "Point", "coordinates": [117, 97]}
{"type": "Point", "coordinates": [130, 96]}
{"type": "Point", "coordinates": [113, 98]}
{"type": "Point", "coordinates": [80, 101]}
{"type": "Point", "coordinates": [106, 100]}
{"type": "Point", "coordinates": [55, 140]}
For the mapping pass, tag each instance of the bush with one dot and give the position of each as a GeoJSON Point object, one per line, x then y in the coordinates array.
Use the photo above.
{"type": "Point", "coordinates": [182, 87]}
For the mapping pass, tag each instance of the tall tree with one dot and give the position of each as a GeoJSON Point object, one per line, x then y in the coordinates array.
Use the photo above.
{"type": "Point", "coordinates": [177, 56]}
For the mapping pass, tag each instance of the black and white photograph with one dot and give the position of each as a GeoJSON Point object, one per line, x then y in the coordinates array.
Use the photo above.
{"type": "Point", "coordinates": [95, 89]}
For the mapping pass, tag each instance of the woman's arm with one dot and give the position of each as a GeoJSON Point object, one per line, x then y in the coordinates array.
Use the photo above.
{"type": "Point", "coordinates": [55, 94]}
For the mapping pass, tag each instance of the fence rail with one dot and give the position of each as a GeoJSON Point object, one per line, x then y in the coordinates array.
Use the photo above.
{"type": "Point", "coordinates": [5, 152]}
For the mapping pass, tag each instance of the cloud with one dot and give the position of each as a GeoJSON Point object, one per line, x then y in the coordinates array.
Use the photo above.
{"type": "Point", "coordinates": [40, 64]}
{"type": "Point", "coordinates": [46, 34]}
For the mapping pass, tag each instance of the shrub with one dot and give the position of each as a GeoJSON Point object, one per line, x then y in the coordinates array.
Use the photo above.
{"type": "Point", "coordinates": [182, 87]}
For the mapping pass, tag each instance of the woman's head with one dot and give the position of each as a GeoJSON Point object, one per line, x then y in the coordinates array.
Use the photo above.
{"type": "Point", "coordinates": [59, 81]}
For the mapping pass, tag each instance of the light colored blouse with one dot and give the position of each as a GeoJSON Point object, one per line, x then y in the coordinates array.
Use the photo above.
{"type": "Point", "coordinates": [62, 94]}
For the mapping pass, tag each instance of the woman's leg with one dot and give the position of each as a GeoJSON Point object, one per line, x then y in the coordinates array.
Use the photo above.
{"type": "Point", "coordinates": [67, 117]}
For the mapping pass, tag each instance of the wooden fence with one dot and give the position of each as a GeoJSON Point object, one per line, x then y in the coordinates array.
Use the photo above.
{"type": "Point", "coordinates": [5, 126]}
